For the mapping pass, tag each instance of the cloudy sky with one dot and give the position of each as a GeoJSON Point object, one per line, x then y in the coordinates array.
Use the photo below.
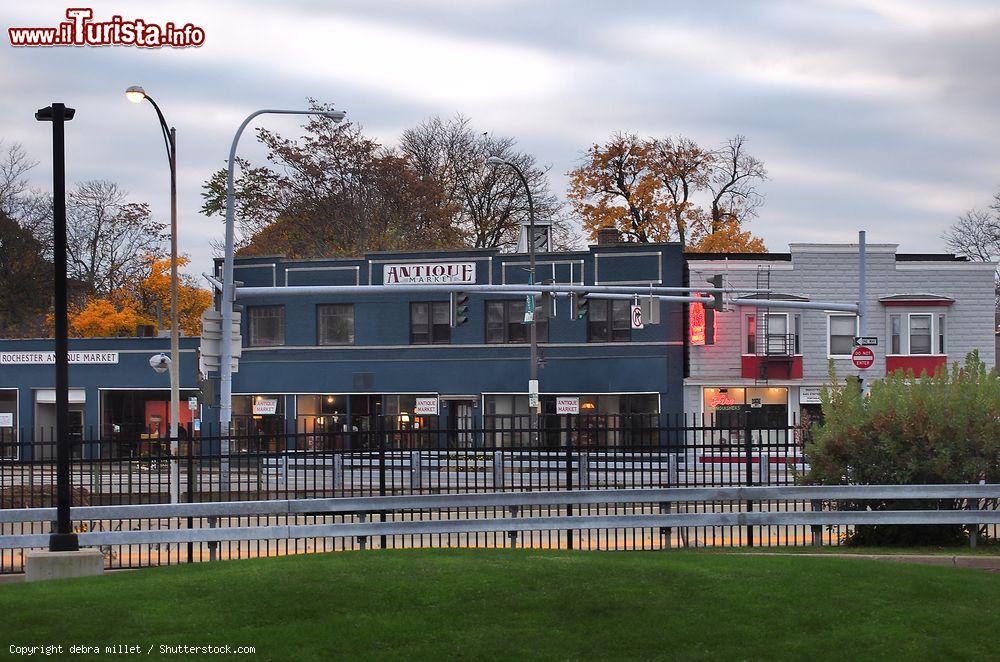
{"type": "Point", "coordinates": [869, 114]}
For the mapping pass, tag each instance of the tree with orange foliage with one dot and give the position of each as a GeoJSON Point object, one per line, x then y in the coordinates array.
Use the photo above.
{"type": "Point", "coordinates": [647, 189]}
{"type": "Point", "coordinates": [147, 303]}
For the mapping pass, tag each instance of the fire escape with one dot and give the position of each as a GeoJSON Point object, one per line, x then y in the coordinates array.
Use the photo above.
{"type": "Point", "coordinates": [772, 349]}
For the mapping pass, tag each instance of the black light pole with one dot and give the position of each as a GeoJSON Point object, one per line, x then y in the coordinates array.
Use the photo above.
{"type": "Point", "coordinates": [63, 540]}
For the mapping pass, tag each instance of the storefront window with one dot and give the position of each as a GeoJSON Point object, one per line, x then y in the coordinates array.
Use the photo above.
{"type": "Point", "coordinates": [763, 409]}
{"type": "Point", "coordinates": [259, 423]}
{"type": "Point", "coordinates": [8, 423]}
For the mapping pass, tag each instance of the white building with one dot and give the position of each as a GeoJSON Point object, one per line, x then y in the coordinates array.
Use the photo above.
{"type": "Point", "coordinates": [926, 311]}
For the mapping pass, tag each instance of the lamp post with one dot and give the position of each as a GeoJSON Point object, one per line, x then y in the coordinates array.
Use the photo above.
{"type": "Point", "coordinates": [228, 288]}
{"type": "Point", "coordinates": [136, 94]}
{"type": "Point", "coordinates": [63, 539]}
{"type": "Point", "coordinates": [533, 331]}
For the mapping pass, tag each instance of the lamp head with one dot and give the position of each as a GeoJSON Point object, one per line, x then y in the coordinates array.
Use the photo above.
{"type": "Point", "coordinates": [495, 161]}
{"type": "Point", "coordinates": [135, 94]}
{"type": "Point", "coordinates": [335, 115]}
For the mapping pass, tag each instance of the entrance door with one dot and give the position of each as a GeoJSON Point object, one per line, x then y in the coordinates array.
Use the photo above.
{"type": "Point", "coordinates": [460, 423]}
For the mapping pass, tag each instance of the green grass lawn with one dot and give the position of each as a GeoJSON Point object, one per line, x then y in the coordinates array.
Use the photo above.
{"type": "Point", "coordinates": [482, 604]}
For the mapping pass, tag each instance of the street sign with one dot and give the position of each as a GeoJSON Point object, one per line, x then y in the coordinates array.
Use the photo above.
{"type": "Point", "coordinates": [567, 405]}
{"type": "Point", "coordinates": [193, 404]}
{"type": "Point", "coordinates": [863, 358]}
{"type": "Point", "coordinates": [637, 317]}
{"type": "Point", "coordinates": [865, 341]}
{"type": "Point", "coordinates": [6, 419]}
{"type": "Point", "coordinates": [426, 407]}
{"type": "Point", "coordinates": [755, 403]}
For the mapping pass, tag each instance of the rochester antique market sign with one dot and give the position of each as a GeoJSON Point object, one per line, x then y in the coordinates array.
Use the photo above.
{"type": "Point", "coordinates": [49, 358]}
{"type": "Point", "coordinates": [429, 273]}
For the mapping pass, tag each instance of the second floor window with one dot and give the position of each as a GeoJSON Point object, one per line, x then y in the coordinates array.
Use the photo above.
{"type": "Point", "coordinates": [920, 334]}
{"type": "Point", "coordinates": [609, 320]}
{"type": "Point", "coordinates": [843, 328]}
{"type": "Point", "coordinates": [335, 324]}
{"type": "Point", "coordinates": [430, 323]}
{"type": "Point", "coordinates": [266, 325]}
{"type": "Point", "coordinates": [505, 323]}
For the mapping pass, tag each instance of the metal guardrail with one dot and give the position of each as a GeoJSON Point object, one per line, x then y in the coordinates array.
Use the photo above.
{"type": "Point", "coordinates": [513, 502]}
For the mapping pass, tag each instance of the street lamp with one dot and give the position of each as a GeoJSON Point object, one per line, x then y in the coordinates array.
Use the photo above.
{"type": "Point", "coordinates": [136, 94]}
{"type": "Point", "coordinates": [228, 288]}
{"type": "Point", "coordinates": [533, 331]}
{"type": "Point", "coordinates": [63, 539]}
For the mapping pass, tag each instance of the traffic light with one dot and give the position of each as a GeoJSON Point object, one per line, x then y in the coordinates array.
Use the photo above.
{"type": "Point", "coordinates": [459, 308]}
{"type": "Point", "coordinates": [580, 305]}
{"type": "Point", "coordinates": [543, 307]}
{"type": "Point", "coordinates": [718, 303]}
{"type": "Point", "coordinates": [210, 349]}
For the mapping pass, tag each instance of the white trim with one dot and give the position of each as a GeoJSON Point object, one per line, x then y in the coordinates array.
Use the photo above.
{"type": "Point", "coordinates": [356, 268]}
{"type": "Point", "coordinates": [274, 270]}
{"type": "Point", "coordinates": [932, 265]}
{"type": "Point", "coordinates": [665, 343]}
{"type": "Point", "coordinates": [857, 323]}
{"type": "Point", "coordinates": [707, 266]}
{"type": "Point", "coordinates": [840, 248]}
{"type": "Point", "coordinates": [659, 268]}
{"type": "Point", "coordinates": [552, 263]}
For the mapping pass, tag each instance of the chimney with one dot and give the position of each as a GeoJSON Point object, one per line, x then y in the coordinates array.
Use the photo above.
{"type": "Point", "coordinates": [608, 237]}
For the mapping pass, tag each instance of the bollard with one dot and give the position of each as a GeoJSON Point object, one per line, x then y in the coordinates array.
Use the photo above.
{"type": "Point", "coordinates": [974, 528]}
{"type": "Point", "coordinates": [512, 535]}
{"type": "Point", "coordinates": [498, 473]}
{"type": "Point", "coordinates": [583, 477]}
{"type": "Point", "coordinates": [283, 470]}
{"type": "Point", "coordinates": [673, 470]}
{"type": "Point", "coordinates": [338, 471]}
{"type": "Point", "coordinates": [416, 473]}
{"type": "Point", "coordinates": [764, 470]}
{"type": "Point", "coordinates": [666, 532]}
{"type": "Point", "coordinates": [816, 529]}
{"type": "Point", "coordinates": [363, 540]}
{"type": "Point", "coordinates": [212, 544]}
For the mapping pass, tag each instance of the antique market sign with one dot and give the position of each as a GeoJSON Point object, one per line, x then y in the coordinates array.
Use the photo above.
{"type": "Point", "coordinates": [429, 273]}
{"type": "Point", "coordinates": [49, 358]}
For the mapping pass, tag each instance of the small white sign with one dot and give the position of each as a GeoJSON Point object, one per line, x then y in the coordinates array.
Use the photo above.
{"type": "Point", "coordinates": [637, 317]}
{"type": "Point", "coordinates": [193, 404]}
{"type": "Point", "coordinates": [265, 407]}
{"type": "Point", "coordinates": [567, 405]}
{"type": "Point", "coordinates": [49, 358]}
{"type": "Point", "coordinates": [429, 273]}
{"type": "Point", "coordinates": [6, 419]}
{"type": "Point", "coordinates": [809, 395]}
{"type": "Point", "coordinates": [532, 399]}
{"type": "Point", "coordinates": [532, 387]}
{"type": "Point", "coordinates": [426, 407]}
{"type": "Point", "coordinates": [755, 403]}
{"type": "Point", "coordinates": [197, 425]}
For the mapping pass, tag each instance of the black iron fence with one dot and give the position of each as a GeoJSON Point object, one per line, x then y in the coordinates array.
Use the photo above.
{"type": "Point", "coordinates": [392, 456]}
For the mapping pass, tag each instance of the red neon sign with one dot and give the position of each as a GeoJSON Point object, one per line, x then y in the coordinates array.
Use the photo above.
{"type": "Point", "coordinates": [698, 324]}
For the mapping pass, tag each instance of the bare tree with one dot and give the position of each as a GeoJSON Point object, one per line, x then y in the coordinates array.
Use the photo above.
{"type": "Point", "coordinates": [976, 235]}
{"type": "Point", "coordinates": [733, 183]}
{"type": "Point", "coordinates": [30, 207]}
{"type": "Point", "coordinates": [684, 168]}
{"type": "Point", "coordinates": [491, 201]}
{"type": "Point", "coordinates": [109, 239]}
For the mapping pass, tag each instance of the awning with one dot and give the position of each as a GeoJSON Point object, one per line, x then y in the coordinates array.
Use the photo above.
{"type": "Point", "coordinates": [48, 395]}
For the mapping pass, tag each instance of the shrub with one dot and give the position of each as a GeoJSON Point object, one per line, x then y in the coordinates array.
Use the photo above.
{"type": "Point", "coordinates": [931, 430]}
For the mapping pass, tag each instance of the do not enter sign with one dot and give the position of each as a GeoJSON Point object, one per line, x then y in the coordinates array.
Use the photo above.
{"type": "Point", "coordinates": [863, 357]}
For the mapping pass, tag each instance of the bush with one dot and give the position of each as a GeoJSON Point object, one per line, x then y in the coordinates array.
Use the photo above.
{"type": "Point", "coordinates": [933, 430]}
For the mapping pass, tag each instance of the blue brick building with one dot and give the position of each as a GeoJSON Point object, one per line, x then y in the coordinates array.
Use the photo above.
{"type": "Point", "coordinates": [326, 362]}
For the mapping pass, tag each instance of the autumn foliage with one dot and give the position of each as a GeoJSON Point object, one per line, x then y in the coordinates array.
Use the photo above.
{"type": "Point", "coordinates": [128, 307]}
{"type": "Point", "coordinates": [660, 190]}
